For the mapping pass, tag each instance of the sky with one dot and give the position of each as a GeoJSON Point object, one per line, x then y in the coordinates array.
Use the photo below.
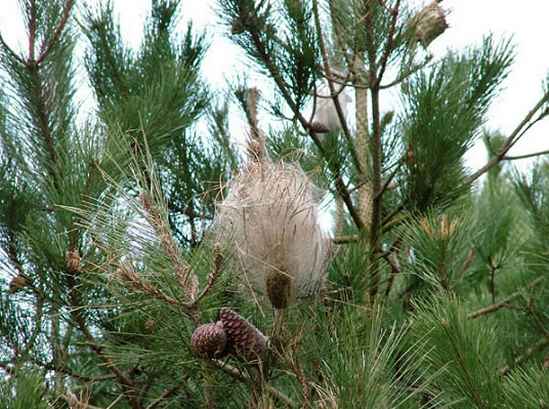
{"type": "Point", "coordinates": [469, 20]}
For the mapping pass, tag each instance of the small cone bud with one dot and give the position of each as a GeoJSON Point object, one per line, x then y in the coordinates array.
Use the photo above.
{"type": "Point", "coordinates": [243, 338]}
{"type": "Point", "coordinates": [209, 340]}
{"type": "Point", "coordinates": [17, 283]}
{"type": "Point", "coordinates": [430, 23]}
{"type": "Point", "coordinates": [447, 228]}
{"type": "Point", "coordinates": [150, 325]}
{"type": "Point", "coordinates": [425, 226]}
{"type": "Point", "coordinates": [410, 157]}
{"type": "Point", "coordinates": [237, 27]}
{"type": "Point", "coordinates": [73, 260]}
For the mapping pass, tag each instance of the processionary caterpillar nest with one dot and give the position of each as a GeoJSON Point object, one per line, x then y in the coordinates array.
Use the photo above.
{"type": "Point", "coordinates": [270, 221]}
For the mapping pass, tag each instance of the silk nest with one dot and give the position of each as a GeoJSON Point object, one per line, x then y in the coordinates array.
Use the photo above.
{"type": "Point", "coordinates": [269, 223]}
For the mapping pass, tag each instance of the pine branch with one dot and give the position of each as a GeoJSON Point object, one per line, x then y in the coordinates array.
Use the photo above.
{"type": "Point", "coordinates": [341, 188]}
{"type": "Point", "coordinates": [186, 277]}
{"type": "Point", "coordinates": [213, 276]}
{"type": "Point", "coordinates": [127, 385]}
{"type": "Point", "coordinates": [333, 93]}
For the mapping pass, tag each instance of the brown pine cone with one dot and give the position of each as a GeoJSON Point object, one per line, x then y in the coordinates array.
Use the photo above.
{"type": "Point", "coordinates": [209, 340]}
{"type": "Point", "coordinates": [243, 338]}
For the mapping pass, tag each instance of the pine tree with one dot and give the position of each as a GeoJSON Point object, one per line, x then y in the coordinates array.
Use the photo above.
{"type": "Point", "coordinates": [147, 261]}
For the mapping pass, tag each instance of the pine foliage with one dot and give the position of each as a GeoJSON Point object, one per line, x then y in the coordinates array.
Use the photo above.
{"type": "Point", "coordinates": [431, 292]}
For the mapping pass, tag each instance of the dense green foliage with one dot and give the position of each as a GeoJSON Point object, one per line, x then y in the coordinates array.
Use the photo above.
{"type": "Point", "coordinates": [436, 294]}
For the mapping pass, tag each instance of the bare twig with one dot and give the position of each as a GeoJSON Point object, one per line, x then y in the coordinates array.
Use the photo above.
{"type": "Point", "coordinates": [213, 276]}
{"type": "Point", "coordinates": [515, 136]}
{"type": "Point", "coordinates": [407, 73]}
{"type": "Point", "coordinates": [235, 373]}
{"type": "Point", "coordinates": [389, 47]}
{"type": "Point", "coordinates": [32, 30]}
{"type": "Point", "coordinates": [538, 346]}
{"type": "Point", "coordinates": [346, 239]}
{"type": "Point", "coordinates": [344, 81]}
{"type": "Point", "coordinates": [166, 394]}
{"type": "Point", "coordinates": [529, 155]}
{"type": "Point", "coordinates": [494, 307]}
{"type": "Point", "coordinates": [387, 183]}
{"type": "Point", "coordinates": [10, 51]}
{"type": "Point", "coordinates": [391, 256]}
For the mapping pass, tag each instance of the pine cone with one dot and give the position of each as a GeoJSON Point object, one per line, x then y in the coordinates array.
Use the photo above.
{"type": "Point", "coordinates": [209, 340]}
{"type": "Point", "coordinates": [243, 338]}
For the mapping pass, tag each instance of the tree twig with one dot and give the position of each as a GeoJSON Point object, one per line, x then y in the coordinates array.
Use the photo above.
{"type": "Point", "coordinates": [407, 74]}
{"type": "Point", "coordinates": [515, 136]}
{"type": "Point", "coordinates": [391, 256]}
{"type": "Point", "coordinates": [235, 373]}
{"type": "Point", "coordinates": [526, 156]}
{"type": "Point", "coordinates": [47, 46]}
{"type": "Point", "coordinates": [341, 188]}
{"type": "Point", "coordinates": [166, 394]}
{"type": "Point", "coordinates": [10, 51]}
{"type": "Point", "coordinates": [494, 307]}
{"type": "Point", "coordinates": [346, 239]}
{"type": "Point", "coordinates": [333, 92]}
{"type": "Point", "coordinates": [389, 47]}
{"type": "Point", "coordinates": [538, 346]}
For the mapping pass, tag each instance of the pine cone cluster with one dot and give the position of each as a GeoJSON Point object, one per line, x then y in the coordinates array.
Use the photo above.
{"type": "Point", "coordinates": [231, 334]}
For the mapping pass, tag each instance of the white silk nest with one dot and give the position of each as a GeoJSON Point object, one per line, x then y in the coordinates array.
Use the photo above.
{"type": "Point", "coordinates": [269, 221]}
{"type": "Point", "coordinates": [326, 118]}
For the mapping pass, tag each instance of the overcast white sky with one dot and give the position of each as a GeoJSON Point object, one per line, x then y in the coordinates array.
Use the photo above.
{"type": "Point", "coordinates": [469, 20]}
